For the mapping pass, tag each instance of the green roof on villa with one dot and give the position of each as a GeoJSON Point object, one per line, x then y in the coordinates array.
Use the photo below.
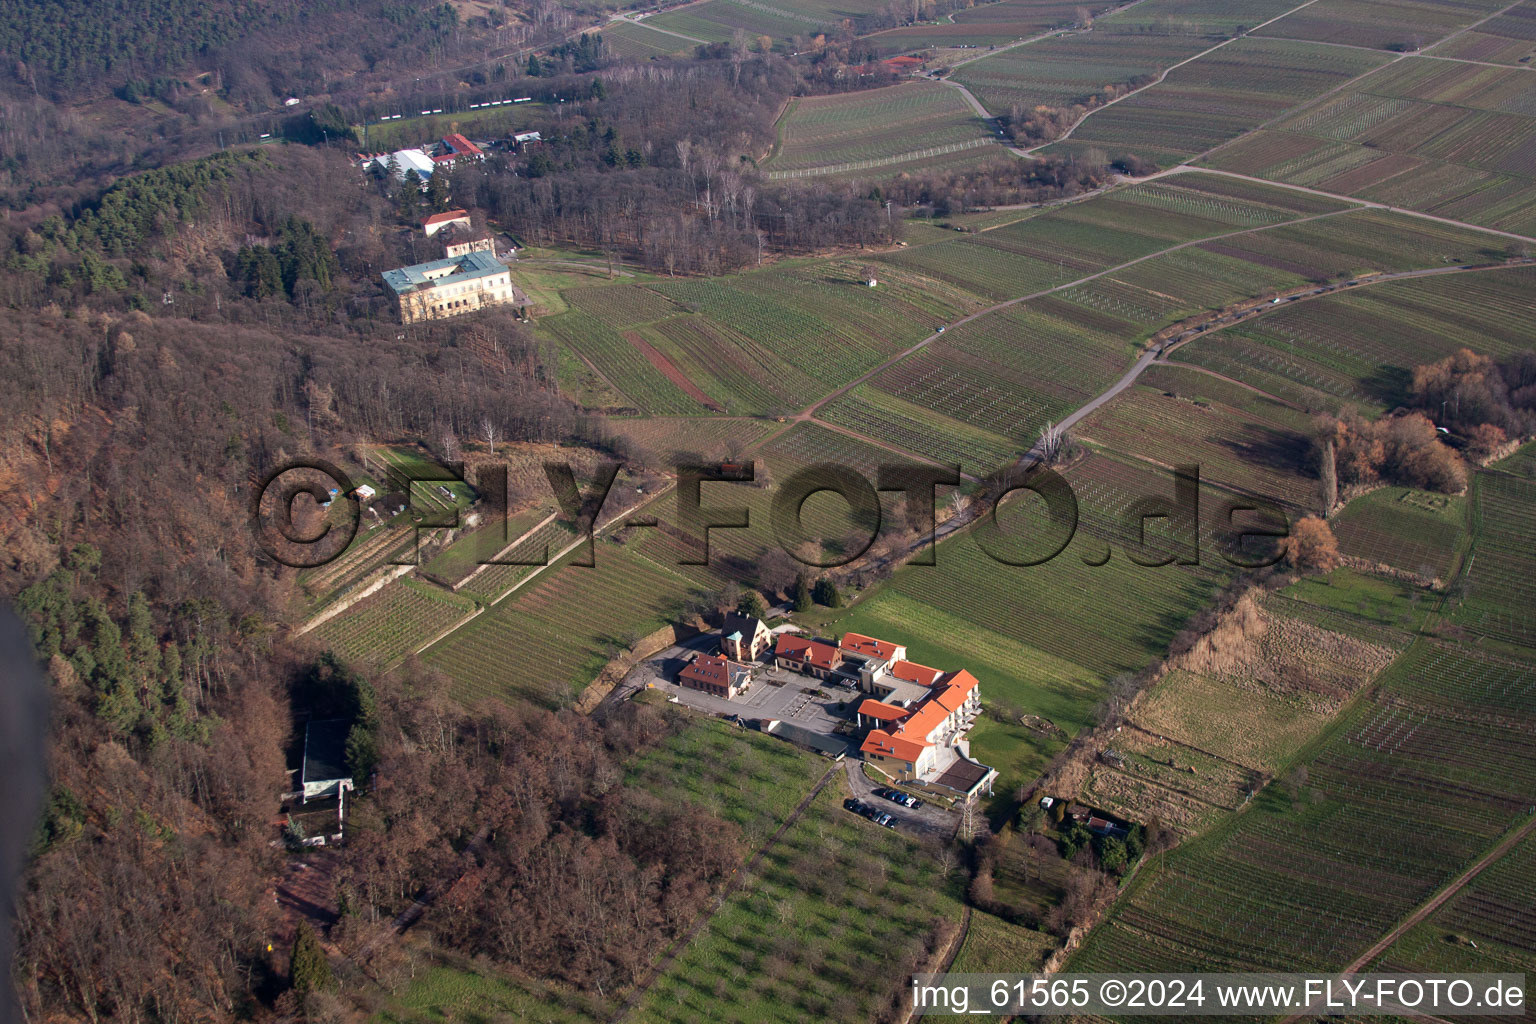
{"type": "Point", "coordinates": [424, 275]}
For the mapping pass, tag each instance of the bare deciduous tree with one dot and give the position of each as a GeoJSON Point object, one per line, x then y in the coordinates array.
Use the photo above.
{"type": "Point", "coordinates": [1053, 443]}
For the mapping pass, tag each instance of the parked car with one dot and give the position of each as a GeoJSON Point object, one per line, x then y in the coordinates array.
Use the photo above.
{"type": "Point", "coordinates": [856, 806]}
{"type": "Point", "coordinates": [887, 821]}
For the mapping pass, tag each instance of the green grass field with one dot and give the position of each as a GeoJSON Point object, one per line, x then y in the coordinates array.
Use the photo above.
{"type": "Point", "coordinates": [1407, 529]}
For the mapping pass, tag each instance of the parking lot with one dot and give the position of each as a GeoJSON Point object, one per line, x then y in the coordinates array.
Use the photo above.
{"type": "Point", "coordinates": [774, 693]}
{"type": "Point", "coordinates": [927, 820]}
{"type": "Point", "coordinates": [788, 697]}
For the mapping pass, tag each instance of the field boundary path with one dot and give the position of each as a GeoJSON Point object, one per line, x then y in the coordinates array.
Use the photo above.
{"type": "Point", "coordinates": [1165, 73]}
{"type": "Point", "coordinates": [1434, 903]}
{"type": "Point", "coordinates": [1364, 204]}
{"type": "Point", "coordinates": [809, 412]}
{"type": "Point", "coordinates": [900, 158]}
{"type": "Point", "coordinates": [632, 1001]}
{"type": "Point", "coordinates": [1468, 28]}
{"type": "Point", "coordinates": [631, 20]}
{"type": "Point", "coordinates": [506, 550]}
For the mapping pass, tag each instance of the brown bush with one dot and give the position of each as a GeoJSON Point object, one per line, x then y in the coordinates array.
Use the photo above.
{"type": "Point", "coordinates": [1404, 449]}
{"type": "Point", "coordinates": [1311, 547]}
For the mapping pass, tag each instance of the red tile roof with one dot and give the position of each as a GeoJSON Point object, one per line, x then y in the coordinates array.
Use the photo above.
{"type": "Point", "coordinates": [444, 218]}
{"type": "Point", "coordinates": [912, 672]}
{"type": "Point", "coordinates": [924, 720]}
{"type": "Point", "coordinates": [708, 668]}
{"type": "Point", "coordinates": [810, 651]}
{"type": "Point", "coordinates": [883, 743]}
{"type": "Point", "coordinates": [872, 708]}
{"type": "Point", "coordinates": [461, 146]}
{"type": "Point", "coordinates": [956, 689]}
{"type": "Point", "coordinates": [858, 643]}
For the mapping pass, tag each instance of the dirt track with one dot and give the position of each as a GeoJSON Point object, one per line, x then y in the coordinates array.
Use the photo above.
{"type": "Point", "coordinates": [1433, 904]}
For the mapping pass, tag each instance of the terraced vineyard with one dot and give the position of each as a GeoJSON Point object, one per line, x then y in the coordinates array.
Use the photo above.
{"type": "Point", "coordinates": [370, 551]}
{"type": "Point", "coordinates": [1384, 25]}
{"type": "Point", "coordinates": [1509, 38]}
{"type": "Point", "coordinates": [1120, 612]}
{"type": "Point", "coordinates": [1175, 417]}
{"type": "Point", "coordinates": [985, 25]}
{"type": "Point", "coordinates": [636, 42]}
{"type": "Point", "coordinates": [850, 919]}
{"type": "Point", "coordinates": [461, 558]}
{"type": "Point", "coordinates": [620, 306]}
{"type": "Point", "coordinates": [823, 131]}
{"type": "Point", "coordinates": [1501, 568]}
{"type": "Point", "coordinates": [980, 398]}
{"type": "Point", "coordinates": [385, 627]}
{"type": "Point", "coordinates": [494, 580]}
{"type": "Point", "coordinates": [815, 340]}
{"type": "Point", "coordinates": [621, 363]}
{"type": "Point", "coordinates": [1360, 346]}
{"type": "Point", "coordinates": [668, 440]}
{"type": "Point", "coordinates": [552, 636]}
{"type": "Point", "coordinates": [1447, 138]}
{"type": "Point", "coordinates": [1217, 97]}
{"type": "Point", "coordinates": [1067, 70]}
{"type": "Point", "coordinates": [1066, 243]}
{"type": "Point", "coordinates": [749, 779]}
{"type": "Point", "coordinates": [717, 21]}
{"type": "Point", "coordinates": [1488, 926]}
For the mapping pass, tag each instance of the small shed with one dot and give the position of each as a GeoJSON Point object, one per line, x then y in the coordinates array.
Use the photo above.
{"type": "Point", "coordinates": [365, 492]}
{"type": "Point", "coordinates": [325, 759]}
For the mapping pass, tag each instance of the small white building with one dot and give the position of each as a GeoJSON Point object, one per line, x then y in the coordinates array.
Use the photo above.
{"type": "Point", "coordinates": [407, 160]}
{"type": "Point", "coordinates": [365, 493]}
{"type": "Point", "coordinates": [438, 221]}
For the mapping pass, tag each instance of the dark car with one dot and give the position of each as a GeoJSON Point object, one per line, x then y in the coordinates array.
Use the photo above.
{"type": "Point", "coordinates": [856, 806]}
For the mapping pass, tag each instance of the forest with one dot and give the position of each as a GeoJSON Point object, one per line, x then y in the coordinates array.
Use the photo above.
{"type": "Point", "coordinates": [75, 48]}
